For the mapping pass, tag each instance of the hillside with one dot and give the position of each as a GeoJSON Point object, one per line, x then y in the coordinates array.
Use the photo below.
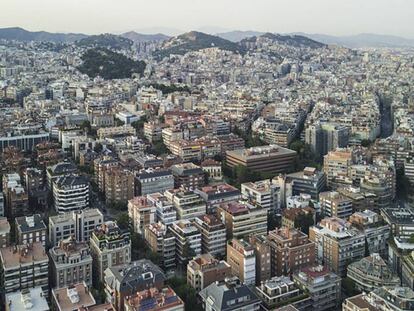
{"type": "Point", "coordinates": [106, 41]}
{"type": "Point", "coordinates": [362, 40]}
{"type": "Point", "coordinates": [238, 35]}
{"type": "Point", "coordinates": [139, 37]}
{"type": "Point", "coordinates": [20, 34]}
{"type": "Point", "coordinates": [297, 41]}
{"type": "Point", "coordinates": [195, 41]}
{"type": "Point", "coordinates": [109, 65]}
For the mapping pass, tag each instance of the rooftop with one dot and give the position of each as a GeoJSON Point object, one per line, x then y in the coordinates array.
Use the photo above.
{"type": "Point", "coordinates": [27, 299]}
{"type": "Point", "coordinates": [73, 297]}
{"type": "Point", "coordinates": [23, 254]}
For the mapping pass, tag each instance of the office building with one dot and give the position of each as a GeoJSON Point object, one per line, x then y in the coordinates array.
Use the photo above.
{"type": "Point", "coordinates": [71, 193]}
{"type": "Point", "coordinates": [266, 159]}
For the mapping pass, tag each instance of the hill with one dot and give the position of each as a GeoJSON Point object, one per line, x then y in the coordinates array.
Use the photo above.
{"type": "Point", "coordinates": [195, 41]}
{"type": "Point", "coordinates": [109, 65]}
{"type": "Point", "coordinates": [363, 40]}
{"type": "Point", "coordinates": [20, 34]}
{"type": "Point", "coordinates": [297, 41]}
{"type": "Point", "coordinates": [139, 37]}
{"type": "Point", "coordinates": [106, 41]}
{"type": "Point", "coordinates": [238, 35]}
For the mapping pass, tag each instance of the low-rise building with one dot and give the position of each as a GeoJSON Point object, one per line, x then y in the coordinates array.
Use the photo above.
{"type": "Point", "coordinates": [205, 269]}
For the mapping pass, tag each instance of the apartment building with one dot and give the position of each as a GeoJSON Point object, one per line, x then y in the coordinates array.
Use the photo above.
{"type": "Point", "coordinates": [28, 298]}
{"type": "Point", "coordinates": [280, 291]}
{"type": "Point", "coordinates": [126, 279]}
{"type": "Point", "coordinates": [213, 235]}
{"type": "Point", "coordinates": [205, 269]}
{"type": "Point", "coordinates": [164, 208]}
{"type": "Point", "coordinates": [290, 250]}
{"type": "Point", "coordinates": [23, 267]}
{"type": "Point", "coordinates": [71, 263]}
{"type": "Point", "coordinates": [233, 295]}
{"type": "Point", "coordinates": [401, 221]}
{"type": "Point", "coordinates": [30, 229]}
{"type": "Point", "coordinates": [119, 185]}
{"type": "Point", "coordinates": [309, 181]}
{"type": "Point", "coordinates": [188, 176]}
{"type": "Point", "coordinates": [322, 285]}
{"type": "Point", "coordinates": [188, 204]}
{"type": "Point", "coordinates": [187, 241]}
{"type": "Point", "coordinates": [334, 204]}
{"type": "Point", "coordinates": [370, 273]}
{"type": "Point", "coordinates": [263, 193]}
{"type": "Point", "coordinates": [214, 195]}
{"type": "Point", "coordinates": [110, 246]}
{"type": "Point", "coordinates": [262, 252]}
{"type": "Point", "coordinates": [73, 297]}
{"type": "Point", "coordinates": [16, 199]}
{"type": "Point", "coordinates": [337, 243]}
{"type": "Point", "coordinates": [335, 166]}
{"type": "Point", "coordinates": [79, 224]}
{"type": "Point", "coordinates": [4, 232]}
{"type": "Point", "coordinates": [153, 180]}
{"type": "Point", "coordinates": [154, 299]}
{"type": "Point", "coordinates": [242, 219]}
{"type": "Point", "coordinates": [141, 211]}
{"type": "Point", "coordinates": [100, 166]}
{"type": "Point", "coordinates": [162, 242]}
{"type": "Point", "coordinates": [71, 193]}
{"type": "Point", "coordinates": [266, 159]}
{"type": "Point", "coordinates": [242, 260]}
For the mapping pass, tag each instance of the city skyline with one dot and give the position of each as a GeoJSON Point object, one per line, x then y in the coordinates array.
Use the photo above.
{"type": "Point", "coordinates": [339, 18]}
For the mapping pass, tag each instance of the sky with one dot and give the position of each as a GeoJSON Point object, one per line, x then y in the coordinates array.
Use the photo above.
{"type": "Point", "coordinates": [334, 17]}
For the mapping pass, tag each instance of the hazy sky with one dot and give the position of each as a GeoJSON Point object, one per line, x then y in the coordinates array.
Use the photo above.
{"type": "Point", "coordinates": [340, 17]}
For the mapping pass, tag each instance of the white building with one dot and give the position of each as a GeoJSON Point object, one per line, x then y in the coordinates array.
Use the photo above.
{"type": "Point", "coordinates": [71, 193]}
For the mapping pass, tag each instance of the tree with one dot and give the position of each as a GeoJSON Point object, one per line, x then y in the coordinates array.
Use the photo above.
{"type": "Point", "coordinates": [159, 148]}
{"type": "Point", "coordinates": [86, 126]}
{"type": "Point", "coordinates": [98, 148]}
{"type": "Point", "coordinates": [186, 293]}
{"type": "Point", "coordinates": [304, 221]}
{"type": "Point", "coordinates": [349, 287]}
{"type": "Point", "coordinates": [123, 220]}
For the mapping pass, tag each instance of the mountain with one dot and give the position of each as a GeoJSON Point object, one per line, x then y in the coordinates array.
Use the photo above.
{"type": "Point", "coordinates": [139, 37]}
{"type": "Point", "coordinates": [195, 41]}
{"type": "Point", "coordinates": [298, 41]}
{"type": "Point", "coordinates": [20, 34]}
{"type": "Point", "coordinates": [106, 41]}
{"type": "Point", "coordinates": [238, 35]}
{"type": "Point", "coordinates": [109, 65]}
{"type": "Point", "coordinates": [363, 40]}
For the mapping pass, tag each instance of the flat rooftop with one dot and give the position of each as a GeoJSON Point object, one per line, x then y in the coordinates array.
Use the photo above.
{"type": "Point", "coordinates": [74, 297]}
{"type": "Point", "coordinates": [20, 255]}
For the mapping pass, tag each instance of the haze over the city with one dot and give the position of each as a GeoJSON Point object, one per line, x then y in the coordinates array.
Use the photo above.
{"type": "Point", "coordinates": [333, 17]}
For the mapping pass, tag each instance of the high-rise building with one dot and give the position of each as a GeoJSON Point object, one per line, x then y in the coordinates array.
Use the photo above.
{"type": "Point", "coordinates": [187, 241]}
{"type": "Point", "coordinates": [262, 252]}
{"type": "Point", "coordinates": [309, 181]}
{"type": "Point", "coordinates": [16, 199]}
{"type": "Point", "coordinates": [263, 193]}
{"type": "Point", "coordinates": [335, 166]}
{"type": "Point", "coordinates": [188, 204]}
{"type": "Point", "coordinates": [334, 204]}
{"type": "Point", "coordinates": [162, 242]}
{"type": "Point", "coordinates": [71, 193]}
{"type": "Point", "coordinates": [213, 235]}
{"type": "Point", "coordinates": [119, 185]}
{"type": "Point", "coordinates": [141, 211]}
